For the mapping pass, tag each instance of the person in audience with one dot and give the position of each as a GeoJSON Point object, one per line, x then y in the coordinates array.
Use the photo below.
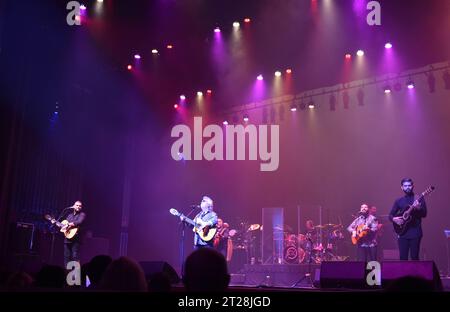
{"type": "Point", "coordinates": [206, 270]}
{"type": "Point", "coordinates": [124, 274]}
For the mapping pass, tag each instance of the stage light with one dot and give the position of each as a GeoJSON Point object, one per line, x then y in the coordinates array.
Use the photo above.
{"type": "Point", "coordinates": [199, 93]}
{"type": "Point", "coordinates": [277, 73]}
{"type": "Point", "coordinates": [360, 53]}
{"type": "Point", "coordinates": [247, 20]}
{"type": "Point", "coordinates": [236, 25]}
{"type": "Point", "coordinates": [288, 71]}
{"type": "Point", "coordinates": [348, 56]}
{"type": "Point", "coordinates": [209, 91]}
{"type": "Point", "coordinates": [100, 1]}
{"type": "Point", "coordinates": [293, 108]}
{"type": "Point", "coordinates": [388, 45]}
{"type": "Point", "coordinates": [217, 30]}
{"type": "Point", "coordinates": [260, 77]}
{"type": "Point", "coordinates": [169, 46]}
{"type": "Point", "coordinates": [182, 97]}
{"type": "Point", "coordinates": [225, 122]}
{"type": "Point", "coordinates": [137, 56]}
{"type": "Point", "coordinates": [410, 84]}
{"type": "Point", "coordinates": [154, 51]}
{"type": "Point", "coordinates": [311, 104]}
{"type": "Point", "coordinates": [175, 106]}
{"type": "Point", "coordinates": [82, 7]}
{"type": "Point", "coordinates": [387, 89]}
{"type": "Point", "coordinates": [245, 117]}
{"type": "Point", "coordinates": [129, 67]}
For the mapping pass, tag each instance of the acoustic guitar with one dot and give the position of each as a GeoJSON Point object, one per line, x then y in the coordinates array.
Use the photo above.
{"type": "Point", "coordinates": [68, 231]}
{"type": "Point", "coordinates": [205, 232]}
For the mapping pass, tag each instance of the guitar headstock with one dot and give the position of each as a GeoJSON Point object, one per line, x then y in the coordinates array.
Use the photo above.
{"type": "Point", "coordinates": [48, 217]}
{"type": "Point", "coordinates": [428, 190]}
{"type": "Point", "coordinates": [174, 212]}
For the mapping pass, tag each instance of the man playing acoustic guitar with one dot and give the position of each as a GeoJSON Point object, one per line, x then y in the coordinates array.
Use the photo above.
{"type": "Point", "coordinates": [363, 230]}
{"type": "Point", "coordinates": [206, 218]}
{"type": "Point", "coordinates": [72, 245]}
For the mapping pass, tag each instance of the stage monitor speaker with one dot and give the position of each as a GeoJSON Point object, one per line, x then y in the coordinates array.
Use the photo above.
{"type": "Point", "coordinates": [339, 274]}
{"type": "Point", "coordinates": [392, 270]}
{"type": "Point", "coordinates": [22, 238]}
{"type": "Point", "coordinates": [152, 267]}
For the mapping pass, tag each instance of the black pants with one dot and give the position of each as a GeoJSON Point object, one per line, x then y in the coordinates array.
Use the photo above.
{"type": "Point", "coordinates": [367, 254]}
{"type": "Point", "coordinates": [71, 252]}
{"type": "Point", "coordinates": [409, 246]}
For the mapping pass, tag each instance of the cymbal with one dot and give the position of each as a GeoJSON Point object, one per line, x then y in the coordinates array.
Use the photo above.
{"type": "Point", "coordinates": [328, 226]}
{"type": "Point", "coordinates": [253, 227]}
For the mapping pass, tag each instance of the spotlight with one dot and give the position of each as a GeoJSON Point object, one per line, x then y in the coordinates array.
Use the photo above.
{"type": "Point", "coordinates": [348, 56]}
{"type": "Point", "coordinates": [82, 7]}
{"type": "Point", "coordinates": [209, 91]}
{"type": "Point", "coordinates": [387, 89]}
{"type": "Point", "coordinates": [137, 56]}
{"type": "Point", "coordinates": [100, 1]}
{"type": "Point", "coordinates": [217, 30]}
{"type": "Point", "coordinates": [247, 20]}
{"type": "Point", "coordinates": [236, 25]}
{"type": "Point", "coordinates": [176, 106]}
{"type": "Point", "coordinates": [288, 71]}
{"type": "Point", "coordinates": [360, 53]}
{"type": "Point", "coordinates": [293, 108]}
{"type": "Point", "coordinates": [388, 45]}
{"type": "Point", "coordinates": [182, 97]}
{"type": "Point", "coordinates": [199, 93]}
{"type": "Point", "coordinates": [260, 77]}
{"type": "Point", "coordinates": [311, 104]}
{"type": "Point", "coordinates": [225, 122]}
{"type": "Point", "coordinates": [277, 73]}
{"type": "Point", "coordinates": [129, 67]}
{"type": "Point", "coordinates": [245, 117]}
{"type": "Point", "coordinates": [410, 84]}
{"type": "Point", "coordinates": [169, 46]}
{"type": "Point", "coordinates": [154, 51]}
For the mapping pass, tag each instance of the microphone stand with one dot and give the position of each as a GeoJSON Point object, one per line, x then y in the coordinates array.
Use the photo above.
{"type": "Point", "coordinates": [183, 226]}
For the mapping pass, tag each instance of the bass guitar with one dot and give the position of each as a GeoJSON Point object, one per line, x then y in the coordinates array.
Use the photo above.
{"type": "Point", "coordinates": [400, 229]}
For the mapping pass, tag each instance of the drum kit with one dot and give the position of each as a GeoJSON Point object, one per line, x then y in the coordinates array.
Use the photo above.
{"type": "Point", "coordinates": [318, 244]}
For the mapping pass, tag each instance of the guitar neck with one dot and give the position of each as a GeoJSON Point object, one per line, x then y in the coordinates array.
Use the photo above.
{"type": "Point", "coordinates": [190, 221]}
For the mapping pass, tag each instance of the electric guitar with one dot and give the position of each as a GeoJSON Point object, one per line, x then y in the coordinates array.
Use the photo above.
{"type": "Point", "coordinates": [361, 231]}
{"type": "Point", "coordinates": [400, 229]}
{"type": "Point", "coordinates": [205, 232]}
{"type": "Point", "coordinates": [68, 231]}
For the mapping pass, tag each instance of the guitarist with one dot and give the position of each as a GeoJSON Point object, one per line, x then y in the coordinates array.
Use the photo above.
{"type": "Point", "coordinates": [207, 217]}
{"type": "Point", "coordinates": [409, 240]}
{"type": "Point", "coordinates": [364, 228]}
{"type": "Point", "coordinates": [72, 246]}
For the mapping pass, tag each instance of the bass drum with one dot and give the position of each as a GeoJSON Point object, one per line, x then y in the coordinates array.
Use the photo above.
{"type": "Point", "coordinates": [294, 255]}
